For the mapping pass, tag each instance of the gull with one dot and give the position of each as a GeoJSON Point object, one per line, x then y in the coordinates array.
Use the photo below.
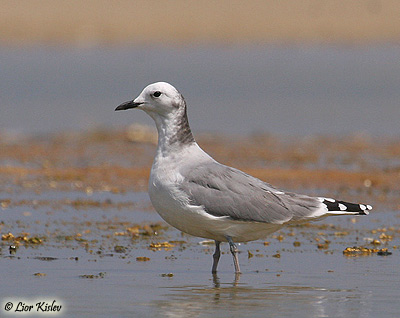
{"type": "Point", "coordinates": [202, 197]}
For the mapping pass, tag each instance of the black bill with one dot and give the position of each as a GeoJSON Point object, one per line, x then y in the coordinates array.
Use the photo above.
{"type": "Point", "coordinates": [128, 105]}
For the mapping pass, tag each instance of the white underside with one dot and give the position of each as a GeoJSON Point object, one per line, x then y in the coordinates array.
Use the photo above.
{"type": "Point", "coordinates": [174, 207]}
{"type": "Point", "coordinates": [195, 221]}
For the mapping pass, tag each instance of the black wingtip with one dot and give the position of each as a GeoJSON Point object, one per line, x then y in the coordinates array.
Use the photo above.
{"type": "Point", "coordinates": [335, 205]}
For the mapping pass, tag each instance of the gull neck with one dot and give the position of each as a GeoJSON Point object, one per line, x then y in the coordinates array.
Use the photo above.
{"type": "Point", "coordinates": [173, 131]}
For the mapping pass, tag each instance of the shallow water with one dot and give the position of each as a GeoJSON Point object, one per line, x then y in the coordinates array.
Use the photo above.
{"type": "Point", "coordinates": [306, 281]}
{"type": "Point", "coordinates": [290, 90]}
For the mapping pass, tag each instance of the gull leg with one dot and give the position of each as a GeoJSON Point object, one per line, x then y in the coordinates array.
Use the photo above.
{"type": "Point", "coordinates": [237, 277]}
{"type": "Point", "coordinates": [216, 256]}
{"type": "Point", "coordinates": [234, 251]}
{"type": "Point", "coordinates": [216, 282]}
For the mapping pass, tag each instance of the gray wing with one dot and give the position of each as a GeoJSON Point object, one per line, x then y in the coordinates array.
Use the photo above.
{"type": "Point", "coordinates": [227, 192]}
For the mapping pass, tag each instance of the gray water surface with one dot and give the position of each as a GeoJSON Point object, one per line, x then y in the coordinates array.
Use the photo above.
{"type": "Point", "coordinates": [305, 281]}
{"type": "Point", "coordinates": [274, 89]}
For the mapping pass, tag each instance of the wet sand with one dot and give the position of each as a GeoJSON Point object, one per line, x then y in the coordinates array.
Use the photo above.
{"type": "Point", "coordinates": [119, 161]}
{"type": "Point", "coordinates": [77, 227]}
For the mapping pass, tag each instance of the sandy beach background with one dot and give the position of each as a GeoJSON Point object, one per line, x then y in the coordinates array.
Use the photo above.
{"type": "Point", "coordinates": [99, 22]}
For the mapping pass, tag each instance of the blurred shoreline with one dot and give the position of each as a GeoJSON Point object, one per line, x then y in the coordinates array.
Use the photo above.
{"type": "Point", "coordinates": [104, 23]}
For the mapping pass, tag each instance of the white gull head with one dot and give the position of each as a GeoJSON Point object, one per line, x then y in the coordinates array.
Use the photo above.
{"type": "Point", "coordinates": [157, 99]}
{"type": "Point", "coordinates": [163, 102]}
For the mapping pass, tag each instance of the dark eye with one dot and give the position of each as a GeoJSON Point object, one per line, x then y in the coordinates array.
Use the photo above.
{"type": "Point", "coordinates": [157, 94]}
